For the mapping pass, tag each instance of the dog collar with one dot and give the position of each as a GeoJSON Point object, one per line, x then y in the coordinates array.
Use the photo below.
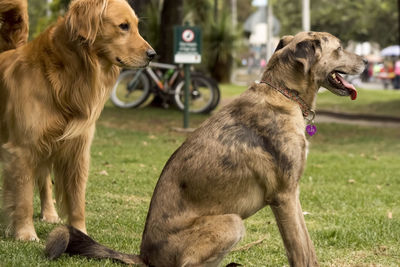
{"type": "Point", "coordinates": [294, 96]}
{"type": "Point", "coordinates": [305, 109]}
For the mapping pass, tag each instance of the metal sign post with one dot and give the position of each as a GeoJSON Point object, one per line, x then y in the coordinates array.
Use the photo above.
{"type": "Point", "coordinates": [186, 99]}
{"type": "Point", "coordinates": [187, 50]}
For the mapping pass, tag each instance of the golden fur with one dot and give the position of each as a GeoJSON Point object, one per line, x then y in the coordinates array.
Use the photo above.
{"type": "Point", "coordinates": [250, 154]}
{"type": "Point", "coordinates": [13, 24]}
{"type": "Point", "coordinates": [52, 91]}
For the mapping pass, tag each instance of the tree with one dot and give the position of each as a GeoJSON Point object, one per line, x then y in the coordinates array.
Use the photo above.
{"type": "Point", "coordinates": [141, 7]}
{"type": "Point", "coordinates": [138, 5]}
{"type": "Point", "coordinates": [36, 10]}
{"type": "Point", "coordinates": [215, 10]}
{"type": "Point", "coordinates": [38, 18]}
{"type": "Point", "coordinates": [244, 9]}
{"type": "Point", "coordinates": [171, 15]}
{"type": "Point", "coordinates": [220, 40]}
{"type": "Point", "coordinates": [366, 20]}
{"type": "Point", "coordinates": [398, 23]}
{"type": "Point", "coordinates": [197, 12]}
{"type": "Point", "coordinates": [64, 4]}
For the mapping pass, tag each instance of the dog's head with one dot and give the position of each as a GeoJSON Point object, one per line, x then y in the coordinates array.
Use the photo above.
{"type": "Point", "coordinates": [110, 28]}
{"type": "Point", "coordinates": [319, 58]}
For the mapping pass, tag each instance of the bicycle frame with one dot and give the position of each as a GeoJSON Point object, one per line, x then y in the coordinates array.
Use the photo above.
{"type": "Point", "coordinates": [168, 81]}
{"type": "Point", "coordinates": [156, 78]}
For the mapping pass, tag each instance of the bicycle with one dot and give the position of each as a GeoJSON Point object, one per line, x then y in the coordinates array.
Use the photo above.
{"type": "Point", "coordinates": [134, 87]}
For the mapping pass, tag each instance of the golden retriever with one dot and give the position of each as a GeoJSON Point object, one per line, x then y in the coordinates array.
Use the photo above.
{"type": "Point", "coordinates": [52, 91]}
{"type": "Point", "coordinates": [250, 154]}
{"type": "Point", "coordinates": [13, 24]}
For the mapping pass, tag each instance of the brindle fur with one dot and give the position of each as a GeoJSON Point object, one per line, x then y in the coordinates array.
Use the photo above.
{"type": "Point", "coordinates": [249, 155]}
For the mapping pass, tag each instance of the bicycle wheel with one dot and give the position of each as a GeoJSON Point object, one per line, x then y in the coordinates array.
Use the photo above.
{"type": "Point", "coordinates": [131, 89]}
{"type": "Point", "coordinates": [202, 94]}
{"type": "Point", "coordinates": [217, 92]}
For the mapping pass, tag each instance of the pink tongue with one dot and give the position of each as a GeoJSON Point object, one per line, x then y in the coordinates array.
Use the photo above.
{"type": "Point", "coordinates": [349, 86]}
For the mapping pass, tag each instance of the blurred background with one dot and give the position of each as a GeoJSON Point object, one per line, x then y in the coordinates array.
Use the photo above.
{"type": "Point", "coordinates": [239, 35]}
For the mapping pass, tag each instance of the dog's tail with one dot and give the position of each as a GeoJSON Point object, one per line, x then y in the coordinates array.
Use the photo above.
{"type": "Point", "coordinates": [67, 239]}
{"type": "Point", "coordinates": [14, 24]}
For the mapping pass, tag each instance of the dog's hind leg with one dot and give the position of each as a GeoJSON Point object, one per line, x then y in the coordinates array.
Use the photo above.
{"type": "Point", "coordinates": [290, 220]}
{"type": "Point", "coordinates": [209, 239]}
{"type": "Point", "coordinates": [48, 212]}
{"type": "Point", "coordinates": [18, 176]}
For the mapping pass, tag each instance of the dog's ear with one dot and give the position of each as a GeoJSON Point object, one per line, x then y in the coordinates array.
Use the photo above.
{"type": "Point", "coordinates": [307, 53]}
{"type": "Point", "coordinates": [84, 18]}
{"type": "Point", "coordinates": [284, 41]}
{"type": "Point", "coordinates": [14, 24]}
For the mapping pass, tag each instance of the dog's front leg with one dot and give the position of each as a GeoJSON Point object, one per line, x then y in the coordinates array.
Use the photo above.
{"type": "Point", "coordinates": [71, 171]}
{"type": "Point", "coordinates": [18, 175]}
{"type": "Point", "coordinates": [290, 220]}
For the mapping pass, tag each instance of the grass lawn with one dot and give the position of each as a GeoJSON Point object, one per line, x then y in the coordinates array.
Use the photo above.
{"type": "Point", "coordinates": [350, 191]}
{"type": "Point", "coordinates": [378, 102]}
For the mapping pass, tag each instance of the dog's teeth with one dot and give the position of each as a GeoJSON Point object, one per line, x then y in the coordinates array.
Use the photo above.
{"type": "Point", "coordinates": [334, 75]}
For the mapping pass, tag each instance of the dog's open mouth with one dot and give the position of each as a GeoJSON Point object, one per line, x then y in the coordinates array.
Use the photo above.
{"type": "Point", "coordinates": [342, 87]}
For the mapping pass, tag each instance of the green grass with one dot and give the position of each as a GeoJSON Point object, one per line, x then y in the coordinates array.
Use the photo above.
{"type": "Point", "coordinates": [378, 102]}
{"type": "Point", "coordinates": [229, 90]}
{"type": "Point", "coordinates": [351, 183]}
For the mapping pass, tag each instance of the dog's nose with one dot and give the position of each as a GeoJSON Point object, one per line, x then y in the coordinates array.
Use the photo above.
{"type": "Point", "coordinates": [151, 54]}
{"type": "Point", "coordinates": [365, 61]}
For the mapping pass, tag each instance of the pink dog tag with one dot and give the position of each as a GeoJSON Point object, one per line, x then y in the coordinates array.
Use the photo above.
{"type": "Point", "coordinates": [311, 129]}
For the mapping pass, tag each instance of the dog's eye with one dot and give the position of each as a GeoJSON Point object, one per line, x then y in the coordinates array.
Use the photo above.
{"type": "Point", "coordinates": [339, 48]}
{"type": "Point", "coordinates": [124, 26]}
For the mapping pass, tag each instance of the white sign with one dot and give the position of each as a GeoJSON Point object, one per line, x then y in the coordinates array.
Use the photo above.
{"type": "Point", "coordinates": [185, 58]}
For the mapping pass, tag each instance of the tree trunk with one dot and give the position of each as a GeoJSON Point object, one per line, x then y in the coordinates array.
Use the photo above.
{"type": "Point", "coordinates": [215, 10]}
{"type": "Point", "coordinates": [221, 70]}
{"type": "Point", "coordinates": [139, 6]}
{"type": "Point", "coordinates": [171, 15]}
{"type": "Point", "coordinates": [398, 17]}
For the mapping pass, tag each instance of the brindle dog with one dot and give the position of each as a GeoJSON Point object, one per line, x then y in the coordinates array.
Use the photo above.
{"type": "Point", "coordinates": [249, 155]}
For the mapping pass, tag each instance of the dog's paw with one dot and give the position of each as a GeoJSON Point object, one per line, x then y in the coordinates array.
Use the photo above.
{"type": "Point", "coordinates": [50, 218]}
{"type": "Point", "coordinates": [26, 236]}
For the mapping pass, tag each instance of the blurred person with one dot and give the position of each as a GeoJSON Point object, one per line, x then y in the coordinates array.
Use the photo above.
{"type": "Point", "coordinates": [396, 83]}
{"type": "Point", "coordinates": [387, 74]}
{"type": "Point", "coordinates": [263, 63]}
{"type": "Point", "coordinates": [376, 69]}
{"type": "Point", "coordinates": [250, 64]}
{"type": "Point", "coordinates": [366, 74]}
